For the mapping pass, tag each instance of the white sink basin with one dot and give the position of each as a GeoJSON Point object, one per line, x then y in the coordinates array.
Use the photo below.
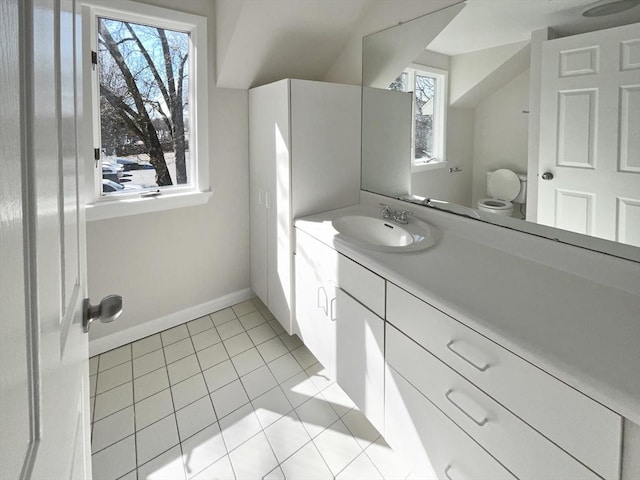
{"type": "Point", "coordinates": [384, 235]}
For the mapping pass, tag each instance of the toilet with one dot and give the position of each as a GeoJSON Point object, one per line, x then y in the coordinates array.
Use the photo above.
{"type": "Point", "coordinates": [503, 187]}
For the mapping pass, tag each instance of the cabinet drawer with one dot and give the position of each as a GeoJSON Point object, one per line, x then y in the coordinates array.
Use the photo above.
{"type": "Point", "coordinates": [582, 427]}
{"type": "Point", "coordinates": [516, 445]}
{"type": "Point", "coordinates": [362, 284]}
{"type": "Point", "coordinates": [433, 445]}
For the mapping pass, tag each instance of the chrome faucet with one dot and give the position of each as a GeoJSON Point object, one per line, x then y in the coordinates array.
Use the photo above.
{"type": "Point", "coordinates": [386, 211]}
{"type": "Point", "coordinates": [400, 217]}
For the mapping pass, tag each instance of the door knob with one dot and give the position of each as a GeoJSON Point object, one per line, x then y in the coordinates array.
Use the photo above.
{"type": "Point", "coordinates": [547, 176]}
{"type": "Point", "coordinates": [107, 311]}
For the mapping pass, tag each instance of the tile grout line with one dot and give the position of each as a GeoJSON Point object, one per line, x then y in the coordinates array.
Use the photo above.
{"type": "Point", "coordinates": [279, 385]}
{"type": "Point", "coordinates": [133, 406]}
{"type": "Point", "coordinates": [262, 430]}
{"type": "Point", "coordinates": [210, 399]}
{"type": "Point", "coordinates": [371, 459]}
{"type": "Point", "coordinates": [325, 460]}
{"type": "Point", "coordinates": [175, 417]}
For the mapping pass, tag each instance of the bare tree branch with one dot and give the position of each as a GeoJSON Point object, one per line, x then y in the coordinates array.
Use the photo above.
{"type": "Point", "coordinates": [117, 103]}
{"type": "Point", "coordinates": [152, 65]}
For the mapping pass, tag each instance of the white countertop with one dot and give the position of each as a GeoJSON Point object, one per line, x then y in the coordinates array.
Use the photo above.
{"type": "Point", "coordinates": [583, 332]}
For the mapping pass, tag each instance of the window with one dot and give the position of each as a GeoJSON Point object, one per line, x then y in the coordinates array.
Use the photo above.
{"type": "Point", "coordinates": [148, 107]}
{"type": "Point", "coordinates": [429, 114]}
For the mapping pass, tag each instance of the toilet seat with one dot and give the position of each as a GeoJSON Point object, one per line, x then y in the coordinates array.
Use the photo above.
{"type": "Point", "coordinates": [495, 204]}
{"type": "Point", "coordinates": [503, 185]}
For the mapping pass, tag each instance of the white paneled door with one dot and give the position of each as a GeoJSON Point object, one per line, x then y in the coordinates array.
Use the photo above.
{"type": "Point", "coordinates": [589, 142]}
{"type": "Point", "coordinates": [44, 410]}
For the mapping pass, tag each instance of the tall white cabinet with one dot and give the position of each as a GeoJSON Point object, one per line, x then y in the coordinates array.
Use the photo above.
{"type": "Point", "coordinates": [304, 158]}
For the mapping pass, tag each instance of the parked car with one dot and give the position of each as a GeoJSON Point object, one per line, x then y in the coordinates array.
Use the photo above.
{"type": "Point", "coordinates": [109, 186]}
{"type": "Point", "coordinates": [111, 172]}
{"type": "Point", "coordinates": [129, 165]}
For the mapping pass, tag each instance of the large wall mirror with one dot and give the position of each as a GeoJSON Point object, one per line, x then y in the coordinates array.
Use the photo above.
{"type": "Point", "coordinates": [521, 113]}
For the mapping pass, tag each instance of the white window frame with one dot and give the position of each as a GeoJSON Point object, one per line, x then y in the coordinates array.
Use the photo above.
{"type": "Point", "coordinates": [198, 191]}
{"type": "Point", "coordinates": [440, 112]}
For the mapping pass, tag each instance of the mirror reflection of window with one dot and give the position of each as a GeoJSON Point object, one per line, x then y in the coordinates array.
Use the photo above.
{"type": "Point", "coordinates": [429, 93]}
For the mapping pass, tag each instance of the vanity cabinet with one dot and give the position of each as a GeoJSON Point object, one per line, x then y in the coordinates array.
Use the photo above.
{"type": "Point", "coordinates": [453, 402]}
{"type": "Point", "coordinates": [338, 308]}
{"type": "Point", "coordinates": [304, 157]}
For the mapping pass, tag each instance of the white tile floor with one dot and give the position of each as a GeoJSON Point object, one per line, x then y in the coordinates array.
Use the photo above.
{"type": "Point", "coordinates": [227, 396]}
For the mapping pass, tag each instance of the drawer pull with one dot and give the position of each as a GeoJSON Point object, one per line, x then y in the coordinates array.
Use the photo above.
{"type": "Point", "coordinates": [453, 473]}
{"type": "Point", "coordinates": [467, 355]}
{"type": "Point", "coordinates": [467, 406]}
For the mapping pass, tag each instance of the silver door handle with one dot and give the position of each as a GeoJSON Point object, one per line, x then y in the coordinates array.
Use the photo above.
{"type": "Point", "coordinates": [106, 311]}
{"type": "Point", "coordinates": [547, 176]}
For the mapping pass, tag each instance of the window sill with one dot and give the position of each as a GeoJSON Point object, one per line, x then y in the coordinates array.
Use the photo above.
{"type": "Point", "coordinates": [422, 167]}
{"type": "Point", "coordinates": [102, 210]}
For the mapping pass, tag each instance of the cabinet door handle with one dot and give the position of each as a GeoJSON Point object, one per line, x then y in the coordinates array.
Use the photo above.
{"type": "Point", "coordinates": [333, 310]}
{"type": "Point", "coordinates": [267, 199]}
{"type": "Point", "coordinates": [453, 473]}
{"type": "Point", "coordinates": [468, 406]}
{"type": "Point", "coordinates": [322, 304]}
{"type": "Point", "coordinates": [260, 195]}
{"type": "Point", "coordinates": [467, 355]}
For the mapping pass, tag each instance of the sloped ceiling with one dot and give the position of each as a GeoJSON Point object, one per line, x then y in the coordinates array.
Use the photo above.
{"type": "Point", "coordinates": [489, 23]}
{"type": "Point", "coordinates": [260, 41]}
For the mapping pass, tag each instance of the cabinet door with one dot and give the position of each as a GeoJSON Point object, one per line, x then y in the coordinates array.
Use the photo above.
{"type": "Point", "coordinates": [258, 237]}
{"type": "Point", "coordinates": [278, 203]}
{"type": "Point", "coordinates": [269, 164]}
{"type": "Point", "coordinates": [360, 355]}
{"type": "Point", "coordinates": [258, 166]}
{"type": "Point", "coordinates": [313, 300]}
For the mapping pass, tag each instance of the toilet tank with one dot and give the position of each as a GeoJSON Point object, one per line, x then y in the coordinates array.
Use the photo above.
{"type": "Point", "coordinates": [522, 196]}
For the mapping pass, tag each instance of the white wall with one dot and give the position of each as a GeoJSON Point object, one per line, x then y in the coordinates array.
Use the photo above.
{"type": "Point", "coordinates": [165, 264]}
{"type": "Point", "coordinates": [389, 52]}
{"type": "Point", "coordinates": [348, 66]}
{"type": "Point", "coordinates": [439, 183]}
{"type": "Point", "coordinates": [500, 132]}
{"type": "Point", "coordinates": [475, 75]}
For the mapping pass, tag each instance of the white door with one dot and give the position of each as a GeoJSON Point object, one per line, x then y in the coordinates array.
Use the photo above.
{"type": "Point", "coordinates": [589, 143]}
{"type": "Point", "coordinates": [44, 411]}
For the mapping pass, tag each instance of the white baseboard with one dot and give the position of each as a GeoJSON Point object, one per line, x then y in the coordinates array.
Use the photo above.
{"type": "Point", "coordinates": [131, 334]}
